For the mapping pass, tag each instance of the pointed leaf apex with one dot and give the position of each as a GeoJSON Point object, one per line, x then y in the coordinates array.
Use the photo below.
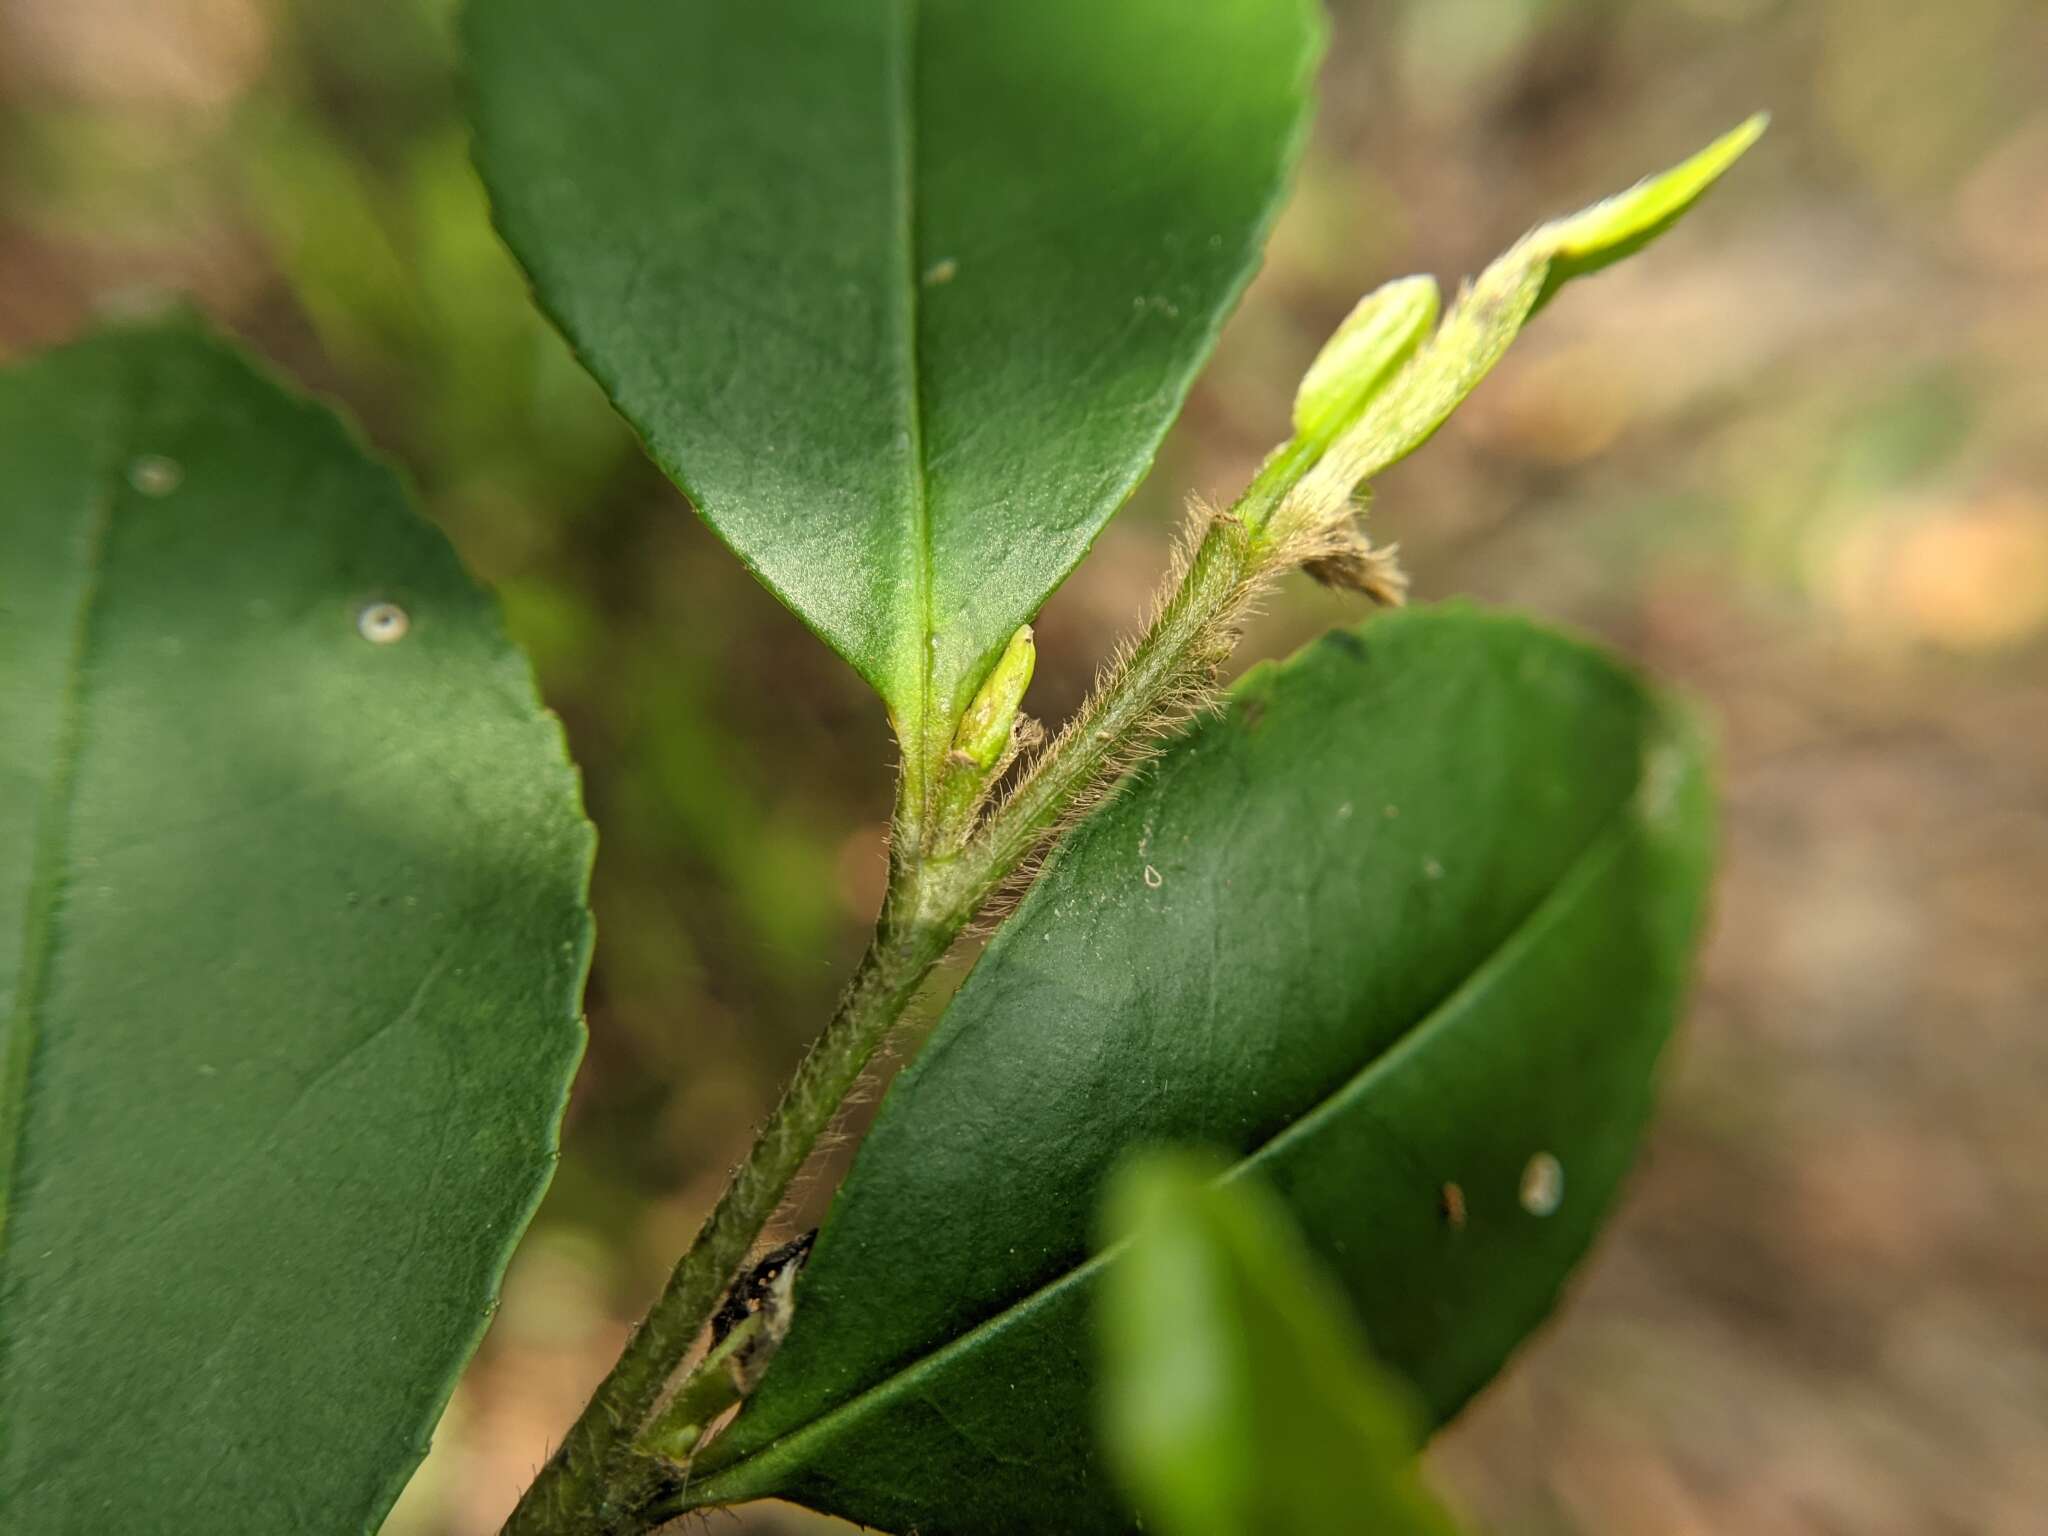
{"type": "Point", "coordinates": [1621, 225]}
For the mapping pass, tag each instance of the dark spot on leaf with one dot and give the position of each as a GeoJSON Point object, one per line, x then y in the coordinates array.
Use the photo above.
{"type": "Point", "coordinates": [1451, 1205]}
{"type": "Point", "coordinates": [1346, 641]}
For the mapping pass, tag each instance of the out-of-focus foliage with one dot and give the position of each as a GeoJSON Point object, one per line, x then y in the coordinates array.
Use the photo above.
{"type": "Point", "coordinates": [1238, 1394]}
{"type": "Point", "coordinates": [1794, 461]}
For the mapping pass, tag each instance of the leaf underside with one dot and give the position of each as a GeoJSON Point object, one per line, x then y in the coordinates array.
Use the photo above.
{"type": "Point", "coordinates": [903, 293]}
{"type": "Point", "coordinates": [292, 938]}
{"type": "Point", "coordinates": [1417, 908]}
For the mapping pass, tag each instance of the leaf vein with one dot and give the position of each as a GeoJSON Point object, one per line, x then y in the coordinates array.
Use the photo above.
{"type": "Point", "coordinates": [53, 819]}
{"type": "Point", "coordinates": [912, 275]}
{"type": "Point", "coordinates": [1585, 869]}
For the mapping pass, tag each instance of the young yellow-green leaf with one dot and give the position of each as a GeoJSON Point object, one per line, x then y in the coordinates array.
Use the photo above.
{"type": "Point", "coordinates": [904, 293]}
{"type": "Point", "coordinates": [1401, 415]}
{"type": "Point", "coordinates": [1621, 225]}
{"type": "Point", "coordinates": [292, 937]}
{"type": "Point", "coordinates": [1406, 923]}
{"type": "Point", "coordinates": [1379, 335]}
{"type": "Point", "coordinates": [987, 738]}
{"type": "Point", "coordinates": [986, 728]}
{"type": "Point", "coordinates": [1238, 1394]}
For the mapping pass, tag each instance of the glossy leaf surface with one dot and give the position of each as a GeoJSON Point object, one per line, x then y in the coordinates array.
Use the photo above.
{"type": "Point", "coordinates": [902, 292]}
{"type": "Point", "coordinates": [292, 937]}
{"type": "Point", "coordinates": [1414, 912]}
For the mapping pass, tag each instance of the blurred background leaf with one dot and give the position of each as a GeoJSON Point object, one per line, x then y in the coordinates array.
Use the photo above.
{"type": "Point", "coordinates": [1792, 459]}
{"type": "Point", "coordinates": [1238, 1395]}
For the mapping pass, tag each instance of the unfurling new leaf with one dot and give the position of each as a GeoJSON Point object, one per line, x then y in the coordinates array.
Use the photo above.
{"type": "Point", "coordinates": [990, 735]}
{"type": "Point", "coordinates": [1395, 417]}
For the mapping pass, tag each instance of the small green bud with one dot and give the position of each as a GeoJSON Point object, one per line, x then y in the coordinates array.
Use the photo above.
{"type": "Point", "coordinates": [985, 728]}
{"type": "Point", "coordinates": [1378, 336]}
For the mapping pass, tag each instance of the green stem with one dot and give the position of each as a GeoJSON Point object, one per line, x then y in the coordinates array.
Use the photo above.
{"type": "Point", "coordinates": [1170, 667]}
{"type": "Point", "coordinates": [710, 1389]}
{"type": "Point", "coordinates": [596, 1482]}
{"type": "Point", "coordinates": [602, 1479]}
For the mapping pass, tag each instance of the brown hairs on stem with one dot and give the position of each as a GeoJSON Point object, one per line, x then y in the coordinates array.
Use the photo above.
{"type": "Point", "coordinates": [1157, 683]}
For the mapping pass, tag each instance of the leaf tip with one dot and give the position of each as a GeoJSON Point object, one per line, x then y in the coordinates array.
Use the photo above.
{"type": "Point", "coordinates": [1598, 236]}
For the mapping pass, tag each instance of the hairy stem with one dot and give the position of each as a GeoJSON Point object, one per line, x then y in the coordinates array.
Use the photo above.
{"type": "Point", "coordinates": [604, 1476]}
{"type": "Point", "coordinates": [1157, 683]}
{"type": "Point", "coordinates": [596, 1482]}
{"type": "Point", "coordinates": [1380, 388]}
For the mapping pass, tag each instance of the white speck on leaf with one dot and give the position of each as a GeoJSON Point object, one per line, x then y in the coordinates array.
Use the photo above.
{"type": "Point", "coordinates": [941, 272]}
{"type": "Point", "coordinates": [1542, 1185]}
{"type": "Point", "coordinates": [1432, 870]}
{"type": "Point", "coordinates": [155, 475]}
{"type": "Point", "coordinates": [1663, 768]}
{"type": "Point", "coordinates": [1153, 878]}
{"type": "Point", "coordinates": [383, 623]}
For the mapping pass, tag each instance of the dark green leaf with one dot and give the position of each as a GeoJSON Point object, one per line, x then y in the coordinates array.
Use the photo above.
{"type": "Point", "coordinates": [292, 935]}
{"type": "Point", "coordinates": [1239, 1397]}
{"type": "Point", "coordinates": [903, 292]}
{"type": "Point", "coordinates": [1413, 914]}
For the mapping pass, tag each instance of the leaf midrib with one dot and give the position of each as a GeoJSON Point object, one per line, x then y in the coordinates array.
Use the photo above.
{"type": "Point", "coordinates": [51, 838]}
{"type": "Point", "coordinates": [911, 273]}
{"type": "Point", "coordinates": [1585, 869]}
